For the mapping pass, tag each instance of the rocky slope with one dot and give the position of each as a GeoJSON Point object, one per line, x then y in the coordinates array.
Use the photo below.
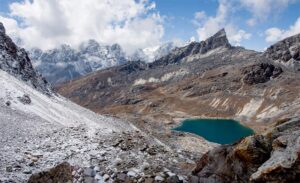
{"type": "Point", "coordinates": [273, 156]}
{"type": "Point", "coordinates": [15, 61]}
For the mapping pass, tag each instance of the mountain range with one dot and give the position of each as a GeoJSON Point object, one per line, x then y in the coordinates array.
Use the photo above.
{"type": "Point", "coordinates": [65, 63]}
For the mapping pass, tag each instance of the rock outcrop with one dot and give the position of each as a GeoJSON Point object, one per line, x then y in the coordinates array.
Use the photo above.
{"type": "Point", "coordinates": [15, 61]}
{"type": "Point", "coordinates": [286, 51]}
{"type": "Point", "coordinates": [60, 173]}
{"type": "Point", "coordinates": [260, 73]}
{"type": "Point", "coordinates": [273, 156]}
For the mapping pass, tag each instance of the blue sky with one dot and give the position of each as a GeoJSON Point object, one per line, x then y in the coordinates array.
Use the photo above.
{"type": "Point", "coordinates": [183, 11]}
{"type": "Point", "coordinates": [254, 24]}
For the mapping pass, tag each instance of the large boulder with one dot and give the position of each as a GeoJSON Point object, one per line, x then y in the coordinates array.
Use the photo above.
{"type": "Point", "coordinates": [62, 173]}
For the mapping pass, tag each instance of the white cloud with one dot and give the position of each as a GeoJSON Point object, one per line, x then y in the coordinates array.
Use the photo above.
{"type": "Point", "coordinates": [262, 9]}
{"type": "Point", "coordinates": [46, 24]}
{"type": "Point", "coordinates": [210, 25]}
{"type": "Point", "coordinates": [275, 34]}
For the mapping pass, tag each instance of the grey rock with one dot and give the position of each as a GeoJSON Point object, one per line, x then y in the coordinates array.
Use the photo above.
{"type": "Point", "coordinates": [98, 177]}
{"type": "Point", "coordinates": [89, 172]}
{"type": "Point", "coordinates": [132, 174]}
{"type": "Point", "coordinates": [27, 171]}
{"type": "Point", "coordinates": [9, 168]}
{"type": "Point", "coordinates": [97, 169]}
{"type": "Point", "coordinates": [106, 177]}
{"type": "Point", "coordinates": [25, 99]}
{"type": "Point", "coordinates": [159, 178]}
{"type": "Point", "coordinates": [121, 177]}
{"type": "Point", "coordinates": [89, 180]}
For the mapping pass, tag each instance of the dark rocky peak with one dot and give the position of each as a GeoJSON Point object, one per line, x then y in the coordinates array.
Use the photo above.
{"type": "Point", "coordinates": [218, 40]}
{"type": "Point", "coordinates": [2, 29]}
{"type": "Point", "coordinates": [15, 61]}
{"type": "Point", "coordinates": [286, 51]}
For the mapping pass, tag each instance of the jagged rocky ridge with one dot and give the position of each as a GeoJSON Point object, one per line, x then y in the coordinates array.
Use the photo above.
{"type": "Point", "coordinates": [219, 40]}
{"type": "Point", "coordinates": [15, 61]}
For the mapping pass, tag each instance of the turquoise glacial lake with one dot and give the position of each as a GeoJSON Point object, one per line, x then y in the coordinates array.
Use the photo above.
{"type": "Point", "coordinates": [221, 131]}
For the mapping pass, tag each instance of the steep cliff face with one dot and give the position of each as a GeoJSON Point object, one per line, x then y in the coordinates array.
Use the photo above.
{"type": "Point", "coordinates": [15, 61]}
{"type": "Point", "coordinates": [273, 156]}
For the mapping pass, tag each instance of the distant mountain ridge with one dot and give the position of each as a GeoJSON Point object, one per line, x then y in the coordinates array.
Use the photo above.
{"type": "Point", "coordinates": [66, 63]}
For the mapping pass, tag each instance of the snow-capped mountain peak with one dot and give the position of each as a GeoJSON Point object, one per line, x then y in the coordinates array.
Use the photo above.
{"type": "Point", "coordinates": [66, 63]}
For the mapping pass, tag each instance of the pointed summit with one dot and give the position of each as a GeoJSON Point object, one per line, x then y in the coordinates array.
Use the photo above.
{"type": "Point", "coordinates": [219, 39]}
{"type": "Point", "coordinates": [220, 33]}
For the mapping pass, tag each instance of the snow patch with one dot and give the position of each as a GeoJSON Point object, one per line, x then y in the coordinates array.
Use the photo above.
{"type": "Point", "coordinates": [164, 78]}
